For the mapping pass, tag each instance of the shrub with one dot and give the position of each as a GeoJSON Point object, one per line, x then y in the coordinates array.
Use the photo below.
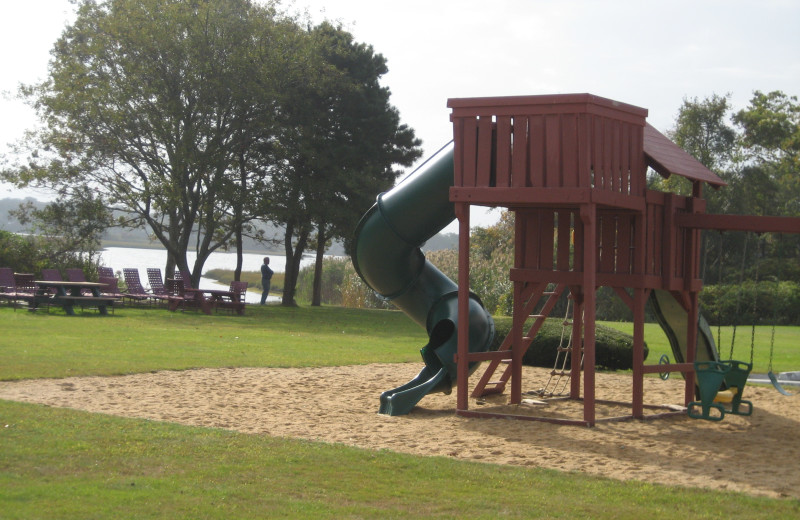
{"type": "Point", "coordinates": [31, 254]}
{"type": "Point", "coordinates": [334, 270]}
{"type": "Point", "coordinates": [357, 294]}
{"type": "Point", "coordinates": [613, 349]}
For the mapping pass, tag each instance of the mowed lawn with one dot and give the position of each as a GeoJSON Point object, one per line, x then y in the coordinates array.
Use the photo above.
{"type": "Point", "coordinates": [58, 463]}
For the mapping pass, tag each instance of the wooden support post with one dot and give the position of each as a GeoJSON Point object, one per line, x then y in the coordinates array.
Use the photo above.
{"type": "Point", "coordinates": [462, 365]}
{"type": "Point", "coordinates": [517, 348]}
{"type": "Point", "coordinates": [577, 345]}
{"type": "Point", "coordinates": [589, 218]}
{"type": "Point", "coordinates": [639, 300]}
{"type": "Point", "coordinates": [691, 344]}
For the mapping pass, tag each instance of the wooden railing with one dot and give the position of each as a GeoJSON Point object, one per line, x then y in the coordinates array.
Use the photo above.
{"type": "Point", "coordinates": [565, 141]}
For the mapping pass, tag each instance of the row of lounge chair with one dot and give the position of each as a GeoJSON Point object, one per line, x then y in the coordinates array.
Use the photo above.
{"type": "Point", "coordinates": [18, 287]}
{"type": "Point", "coordinates": [173, 293]}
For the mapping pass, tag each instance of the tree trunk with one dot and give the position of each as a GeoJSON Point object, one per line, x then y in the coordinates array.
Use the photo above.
{"type": "Point", "coordinates": [316, 297]}
{"type": "Point", "coordinates": [293, 257]}
{"type": "Point", "coordinates": [237, 220]}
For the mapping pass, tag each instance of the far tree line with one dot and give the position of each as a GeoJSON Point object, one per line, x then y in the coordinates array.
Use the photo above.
{"type": "Point", "coordinates": [199, 119]}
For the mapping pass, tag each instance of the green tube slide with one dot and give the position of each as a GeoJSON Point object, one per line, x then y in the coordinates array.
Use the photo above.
{"type": "Point", "coordinates": [387, 256]}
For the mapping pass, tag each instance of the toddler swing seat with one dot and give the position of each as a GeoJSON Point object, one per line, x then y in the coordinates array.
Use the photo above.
{"type": "Point", "coordinates": [721, 384]}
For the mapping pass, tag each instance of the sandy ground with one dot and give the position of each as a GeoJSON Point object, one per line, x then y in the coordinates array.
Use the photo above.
{"type": "Point", "coordinates": [756, 455]}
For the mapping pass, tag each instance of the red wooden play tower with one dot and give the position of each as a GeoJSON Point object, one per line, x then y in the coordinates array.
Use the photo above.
{"type": "Point", "coordinates": [572, 168]}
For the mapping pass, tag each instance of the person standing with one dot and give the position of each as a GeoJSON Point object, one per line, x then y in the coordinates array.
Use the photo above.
{"type": "Point", "coordinates": [266, 279]}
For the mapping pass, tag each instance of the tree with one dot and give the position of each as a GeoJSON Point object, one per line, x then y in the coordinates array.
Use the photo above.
{"type": "Point", "coordinates": [341, 142]}
{"type": "Point", "coordinates": [143, 105]}
{"type": "Point", "coordinates": [702, 129]}
{"type": "Point", "coordinates": [758, 158]}
{"type": "Point", "coordinates": [771, 135]}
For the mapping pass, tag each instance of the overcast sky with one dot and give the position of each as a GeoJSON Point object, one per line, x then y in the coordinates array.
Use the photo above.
{"type": "Point", "coordinates": [646, 53]}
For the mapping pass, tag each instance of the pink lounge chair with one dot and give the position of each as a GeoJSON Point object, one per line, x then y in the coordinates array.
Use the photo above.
{"type": "Point", "coordinates": [135, 293]}
{"type": "Point", "coordinates": [51, 275]}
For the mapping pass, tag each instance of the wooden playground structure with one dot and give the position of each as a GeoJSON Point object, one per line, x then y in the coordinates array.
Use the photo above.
{"type": "Point", "coordinates": [572, 168]}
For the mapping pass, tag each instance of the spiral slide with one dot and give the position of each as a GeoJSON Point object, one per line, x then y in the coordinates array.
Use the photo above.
{"type": "Point", "coordinates": [388, 258]}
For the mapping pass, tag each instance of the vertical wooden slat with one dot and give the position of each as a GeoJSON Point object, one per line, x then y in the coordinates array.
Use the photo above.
{"type": "Point", "coordinates": [563, 252]}
{"type": "Point", "coordinates": [577, 244]}
{"type": "Point", "coordinates": [638, 169]}
{"type": "Point", "coordinates": [608, 173]}
{"type": "Point", "coordinates": [680, 256]}
{"type": "Point", "coordinates": [624, 244]}
{"type": "Point", "coordinates": [503, 167]}
{"type": "Point", "coordinates": [469, 142]}
{"type": "Point", "coordinates": [546, 234]}
{"type": "Point", "coordinates": [537, 150]}
{"type": "Point", "coordinates": [458, 152]}
{"type": "Point", "coordinates": [532, 240]}
{"type": "Point", "coordinates": [658, 239]}
{"type": "Point", "coordinates": [522, 236]}
{"type": "Point", "coordinates": [670, 241]}
{"type": "Point", "coordinates": [584, 151]}
{"type": "Point", "coordinates": [553, 151]}
{"type": "Point", "coordinates": [625, 155]}
{"type": "Point", "coordinates": [519, 153]}
{"type": "Point", "coordinates": [615, 153]}
{"type": "Point", "coordinates": [608, 237]}
{"type": "Point", "coordinates": [484, 159]}
{"type": "Point", "coordinates": [650, 236]}
{"type": "Point", "coordinates": [569, 145]}
{"type": "Point", "coordinates": [597, 152]}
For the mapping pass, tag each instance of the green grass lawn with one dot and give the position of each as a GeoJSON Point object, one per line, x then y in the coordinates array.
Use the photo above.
{"type": "Point", "coordinates": [139, 340]}
{"type": "Point", "coordinates": [58, 463]}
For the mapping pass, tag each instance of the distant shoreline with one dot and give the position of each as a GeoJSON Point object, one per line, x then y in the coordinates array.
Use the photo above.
{"type": "Point", "coordinates": [155, 245]}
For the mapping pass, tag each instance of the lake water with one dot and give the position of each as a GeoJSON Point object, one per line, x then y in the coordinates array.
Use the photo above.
{"type": "Point", "coordinates": [119, 258]}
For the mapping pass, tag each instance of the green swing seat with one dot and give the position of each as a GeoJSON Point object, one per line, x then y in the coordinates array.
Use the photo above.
{"type": "Point", "coordinates": [721, 384]}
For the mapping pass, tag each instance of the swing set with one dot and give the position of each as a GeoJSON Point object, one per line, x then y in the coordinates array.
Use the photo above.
{"type": "Point", "coordinates": [721, 383]}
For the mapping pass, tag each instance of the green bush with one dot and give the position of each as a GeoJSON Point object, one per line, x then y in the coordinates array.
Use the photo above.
{"type": "Point", "coordinates": [31, 254]}
{"type": "Point", "coordinates": [334, 270]}
{"type": "Point", "coordinates": [613, 349]}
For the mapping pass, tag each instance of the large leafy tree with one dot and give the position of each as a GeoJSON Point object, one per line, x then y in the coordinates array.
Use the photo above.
{"type": "Point", "coordinates": [144, 104]}
{"type": "Point", "coordinates": [341, 143]}
{"type": "Point", "coordinates": [756, 152]}
{"type": "Point", "coordinates": [703, 129]}
{"type": "Point", "coordinates": [771, 136]}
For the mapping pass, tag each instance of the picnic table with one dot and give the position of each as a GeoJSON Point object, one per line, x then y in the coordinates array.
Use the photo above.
{"type": "Point", "coordinates": [69, 294]}
{"type": "Point", "coordinates": [209, 298]}
{"type": "Point", "coordinates": [204, 299]}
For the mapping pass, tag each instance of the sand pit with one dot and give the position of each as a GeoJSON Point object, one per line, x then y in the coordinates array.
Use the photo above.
{"type": "Point", "coordinates": [756, 455]}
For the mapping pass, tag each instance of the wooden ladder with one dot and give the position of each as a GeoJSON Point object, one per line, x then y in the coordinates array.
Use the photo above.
{"type": "Point", "coordinates": [532, 294]}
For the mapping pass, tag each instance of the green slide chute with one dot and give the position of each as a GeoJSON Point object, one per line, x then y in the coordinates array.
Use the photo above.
{"type": "Point", "coordinates": [387, 256]}
{"type": "Point", "coordinates": [673, 319]}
